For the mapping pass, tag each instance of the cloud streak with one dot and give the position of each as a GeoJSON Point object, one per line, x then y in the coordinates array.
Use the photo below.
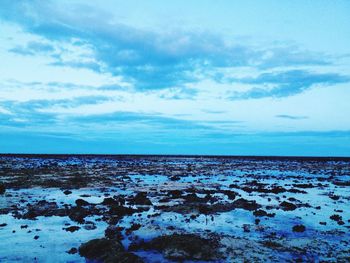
{"type": "Point", "coordinates": [286, 83]}
{"type": "Point", "coordinates": [291, 117]}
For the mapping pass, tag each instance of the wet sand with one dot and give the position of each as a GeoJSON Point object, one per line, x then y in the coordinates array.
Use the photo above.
{"type": "Point", "coordinates": [174, 209]}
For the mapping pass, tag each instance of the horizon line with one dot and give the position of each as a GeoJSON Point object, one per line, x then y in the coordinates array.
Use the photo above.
{"type": "Point", "coordinates": [173, 155]}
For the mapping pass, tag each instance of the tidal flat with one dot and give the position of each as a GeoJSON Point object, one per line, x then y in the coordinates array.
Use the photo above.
{"type": "Point", "coordinates": [86, 208]}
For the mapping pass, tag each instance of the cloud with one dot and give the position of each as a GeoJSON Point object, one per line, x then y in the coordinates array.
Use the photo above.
{"type": "Point", "coordinates": [33, 48]}
{"type": "Point", "coordinates": [286, 83]}
{"type": "Point", "coordinates": [149, 60]}
{"type": "Point", "coordinates": [291, 117]}
{"type": "Point", "coordinates": [29, 114]}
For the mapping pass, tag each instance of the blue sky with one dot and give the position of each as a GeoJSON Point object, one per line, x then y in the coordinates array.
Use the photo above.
{"type": "Point", "coordinates": [175, 77]}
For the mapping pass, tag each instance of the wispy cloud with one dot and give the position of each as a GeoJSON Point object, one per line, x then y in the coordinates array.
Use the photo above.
{"type": "Point", "coordinates": [33, 48]}
{"type": "Point", "coordinates": [286, 83]}
{"type": "Point", "coordinates": [291, 117]}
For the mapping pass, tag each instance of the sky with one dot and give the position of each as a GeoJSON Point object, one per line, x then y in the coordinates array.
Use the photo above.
{"type": "Point", "coordinates": [175, 77]}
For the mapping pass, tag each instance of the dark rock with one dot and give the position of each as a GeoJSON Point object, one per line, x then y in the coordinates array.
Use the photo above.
{"type": "Point", "coordinates": [193, 198]}
{"type": "Point", "coordinates": [72, 228]}
{"type": "Point", "coordinates": [297, 191]}
{"type": "Point", "coordinates": [100, 249]}
{"type": "Point", "coordinates": [3, 225]}
{"type": "Point", "coordinates": [230, 194]}
{"type": "Point", "coordinates": [2, 188]}
{"type": "Point", "coordinates": [175, 178]}
{"type": "Point", "coordinates": [342, 183]}
{"type": "Point", "coordinates": [334, 197]}
{"type": "Point", "coordinates": [141, 199]}
{"type": "Point", "coordinates": [81, 202]}
{"type": "Point", "coordinates": [271, 244]}
{"type": "Point", "coordinates": [261, 212]}
{"type": "Point", "coordinates": [278, 190]}
{"type": "Point", "coordinates": [135, 227]}
{"type": "Point", "coordinates": [107, 250]}
{"type": "Point", "coordinates": [114, 232]}
{"type": "Point", "coordinates": [36, 237]}
{"type": "Point", "coordinates": [132, 228]}
{"type": "Point", "coordinates": [176, 193]}
{"type": "Point", "coordinates": [89, 226]}
{"type": "Point", "coordinates": [43, 208]}
{"type": "Point", "coordinates": [67, 192]}
{"type": "Point", "coordinates": [286, 206]}
{"type": "Point", "coordinates": [184, 247]}
{"type": "Point", "coordinates": [298, 228]}
{"type": "Point", "coordinates": [246, 228]}
{"type": "Point", "coordinates": [109, 201]}
{"type": "Point", "coordinates": [73, 250]}
{"type": "Point", "coordinates": [77, 214]}
{"type": "Point", "coordinates": [121, 210]}
{"type": "Point", "coordinates": [336, 217]}
{"type": "Point", "coordinates": [246, 204]}
{"type": "Point", "coordinates": [303, 185]}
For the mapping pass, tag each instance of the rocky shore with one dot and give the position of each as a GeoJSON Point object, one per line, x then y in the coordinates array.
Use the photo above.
{"type": "Point", "coordinates": [174, 209]}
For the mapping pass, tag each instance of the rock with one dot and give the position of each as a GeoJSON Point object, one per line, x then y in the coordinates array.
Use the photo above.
{"type": "Point", "coordinates": [2, 188]}
{"type": "Point", "coordinates": [230, 194]}
{"type": "Point", "coordinates": [175, 193]}
{"type": "Point", "coordinates": [36, 237]}
{"type": "Point", "coordinates": [299, 228]}
{"type": "Point", "coordinates": [193, 198]}
{"type": "Point", "coordinates": [342, 183]}
{"type": "Point", "coordinates": [109, 201]}
{"type": "Point", "coordinates": [246, 204]}
{"type": "Point", "coordinates": [184, 247]}
{"type": "Point", "coordinates": [114, 232]}
{"type": "Point", "coordinates": [81, 202]}
{"type": "Point", "coordinates": [73, 250]}
{"type": "Point", "coordinates": [141, 199]}
{"type": "Point", "coordinates": [286, 206]}
{"type": "Point", "coordinates": [43, 208]}
{"type": "Point", "coordinates": [121, 210]}
{"type": "Point", "coordinates": [72, 229]}
{"type": "Point", "coordinates": [261, 212]}
{"type": "Point", "coordinates": [297, 191]}
{"type": "Point", "coordinates": [246, 228]}
{"type": "Point", "coordinates": [175, 178]}
{"type": "Point", "coordinates": [3, 225]}
{"type": "Point", "coordinates": [100, 249]}
{"type": "Point", "coordinates": [132, 228]}
{"type": "Point", "coordinates": [78, 214]}
{"type": "Point", "coordinates": [124, 257]}
{"type": "Point", "coordinates": [336, 217]}
{"type": "Point", "coordinates": [334, 197]}
{"type": "Point", "coordinates": [303, 185]}
{"type": "Point", "coordinates": [89, 226]}
{"type": "Point", "coordinates": [67, 192]}
{"type": "Point", "coordinates": [135, 227]}
{"type": "Point", "coordinates": [107, 250]}
{"type": "Point", "coordinates": [272, 244]}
